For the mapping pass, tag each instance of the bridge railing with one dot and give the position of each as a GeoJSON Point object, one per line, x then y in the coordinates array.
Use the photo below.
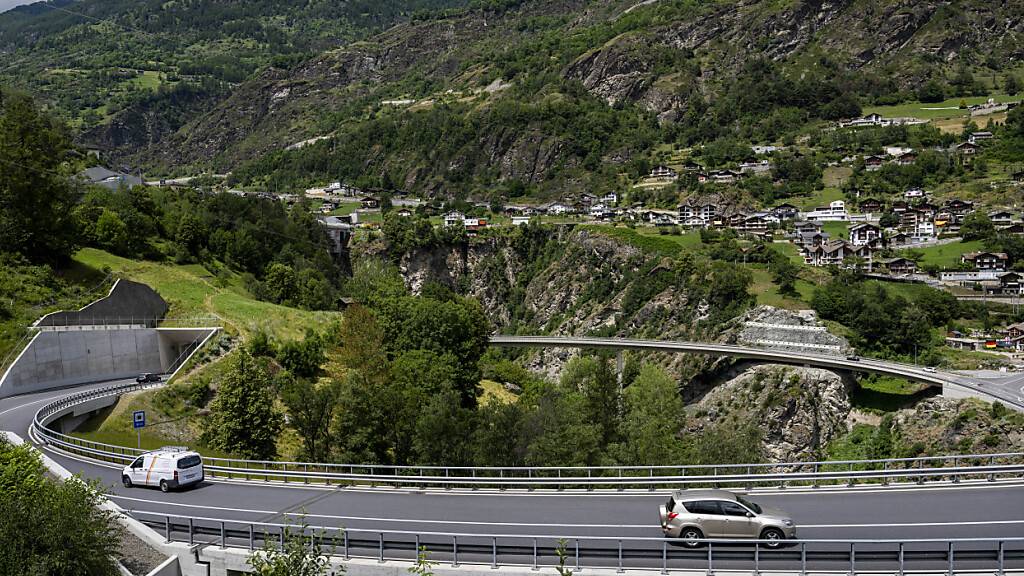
{"type": "Point", "coordinates": [852, 556]}
{"type": "Point", "coordinates": [952, 468]}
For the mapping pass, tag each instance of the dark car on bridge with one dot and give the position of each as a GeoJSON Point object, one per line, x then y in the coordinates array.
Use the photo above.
{"type": "Point", "coordinates": [147, 378]}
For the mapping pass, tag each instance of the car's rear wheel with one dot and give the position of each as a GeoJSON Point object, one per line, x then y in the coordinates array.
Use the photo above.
{"type": "Point", "coordinates": [690, 536]}
{"type": "Point", "coordinates": [163, 486]}
{"type": "Point", "coordinates": [774, 536]}
{"type": "Point", "coordinates": [126, 481]}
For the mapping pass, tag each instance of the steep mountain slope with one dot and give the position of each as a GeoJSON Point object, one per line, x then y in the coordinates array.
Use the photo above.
{"type": "Point", "coordinates": [715, 69]}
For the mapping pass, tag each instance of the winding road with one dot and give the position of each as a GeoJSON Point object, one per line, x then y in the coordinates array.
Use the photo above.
{"type": "Point", "coordinates": [967, 510]}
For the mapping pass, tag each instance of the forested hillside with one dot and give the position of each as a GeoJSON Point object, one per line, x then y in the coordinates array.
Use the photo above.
{"type": "Point", "coordinates": [497, 97]}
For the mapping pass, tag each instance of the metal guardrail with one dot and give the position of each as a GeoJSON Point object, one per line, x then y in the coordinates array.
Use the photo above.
{"type": "Point", "coordinates": [128, 322]}
{"type": "Point", "coordinates": [853, 556]}
{"type": "Point", "coordinates": [813, 473]}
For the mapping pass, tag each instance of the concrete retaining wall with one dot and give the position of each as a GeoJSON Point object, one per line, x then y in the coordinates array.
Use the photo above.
{"type": "Point", "coordinates": [127, 301]}
{"type": "Point", "coordinates": [55, 359]}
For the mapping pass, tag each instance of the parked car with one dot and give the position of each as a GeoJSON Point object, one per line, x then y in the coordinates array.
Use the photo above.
{"type": "Point", "coordinates": [148, 377]}
{"type": "Point", "coordinates": [169, 468]}
{"type": "Point", "coordinates": [929, 369]}
{"type": "Point", "coordinates": [853, 358]}
{"type": "Point", "coordinates": [692, 515]}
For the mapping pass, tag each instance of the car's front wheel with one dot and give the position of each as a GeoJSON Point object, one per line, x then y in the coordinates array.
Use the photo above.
{"type": "Point", "coordinates": [774, 537]}
{"type": "Point", "coordinates": [126, 481]}
{"type": "Point", "coordinates": [691, 536]}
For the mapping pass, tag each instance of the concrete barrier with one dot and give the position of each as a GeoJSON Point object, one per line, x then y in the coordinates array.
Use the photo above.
{"type": "Point", "coordinates": [56, 359]}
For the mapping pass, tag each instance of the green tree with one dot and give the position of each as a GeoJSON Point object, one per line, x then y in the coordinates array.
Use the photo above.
{"type": "Point", "coordinates": [785, 274]}
{"type": "Point", "coordinates": [444, 431]}
{"type": "Point", "coordinates": [558, 432]}
{"type": "Point", "coordinates": [298, 557]}
{"type": "Point", "coordinates": [190, 235]}
{"type": "Point", "coordinates": [112, 233]}
{"type": "Point", "coordinates": [1012, 84]}
{"type": "Point", "coordinates": [727, 442]}
{"type": "Point", "coordinates": [243, 419]}
{"type": "Point", "coordinates": [303, 357]}
{"type": "Point", "coordinates": [311, 407]}
{"type": "Point", "coordinates": [977, 226]}
{"type": "Point", "coordinates": [52, 528]}
{"type": "Point", "coordinates": [280, 284]}
{"type": "Point", "coordinates": [594, 378]}
{"type": "Point", "coordinates": [36, 196]}
{"type": "Point", "coordinates": [931, 92]}
{"type": "Point", "coordinates": [457, 326]}
{"type": "Point", "coordinates": [654, 412]}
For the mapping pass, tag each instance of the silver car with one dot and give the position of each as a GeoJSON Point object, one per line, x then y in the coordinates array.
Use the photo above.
{"type": "Point", "coordinates": [691, 515]}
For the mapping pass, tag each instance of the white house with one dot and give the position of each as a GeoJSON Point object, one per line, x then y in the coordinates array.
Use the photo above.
{"type": "Point", "coordinates": [454, 218]}
{"type": "Point", "coordinates": [835, 212]}
{"type": "Point", "coordinates": [611, 198]}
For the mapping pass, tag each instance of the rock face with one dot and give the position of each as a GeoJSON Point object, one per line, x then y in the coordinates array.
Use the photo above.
{"type": "Point", "coordinates": [943, 426]}
{"type": "Point", "coordinates": [661, 65]}
{"type": "Point", "coordinates": [798, 410]}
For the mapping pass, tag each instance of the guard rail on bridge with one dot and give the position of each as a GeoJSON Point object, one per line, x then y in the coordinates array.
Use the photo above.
{"type": "Point", "coordinates": [813, 473]}
{"type": "Point", "coordinates": [936, 556]}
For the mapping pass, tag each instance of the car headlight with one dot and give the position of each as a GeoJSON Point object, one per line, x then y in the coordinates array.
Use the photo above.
{"type": "Point", "coordinates": [787, 522]}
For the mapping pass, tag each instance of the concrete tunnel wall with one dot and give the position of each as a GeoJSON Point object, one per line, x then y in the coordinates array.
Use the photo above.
{"type": "Point", "coordinates": [55, 359]}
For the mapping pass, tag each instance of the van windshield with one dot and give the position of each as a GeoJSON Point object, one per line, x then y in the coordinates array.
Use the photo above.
{"type": "Point", "coordinates": [189, 461]}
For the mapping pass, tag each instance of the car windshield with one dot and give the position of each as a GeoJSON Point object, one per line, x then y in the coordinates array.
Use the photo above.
{"type": "Point", "coordinates": [752, 505]}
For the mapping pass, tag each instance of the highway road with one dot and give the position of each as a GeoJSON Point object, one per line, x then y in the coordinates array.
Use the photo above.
{"type": "Point", "coordinates": [987, 510]}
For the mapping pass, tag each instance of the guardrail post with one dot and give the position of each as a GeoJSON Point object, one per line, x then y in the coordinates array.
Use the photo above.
{"type": "Point", "coordinates": [380, 551]}
{"type": "Point", "coordinates": [757, 559]}
{"type": "Point", "coordinates": [167, 529]}
{"type": "Point", "coordinates": [885, 473]}
{"type": "Point", "coordinates": [455, 551]}
{"type": "Point", "coordinates": [992, 462]}
{"type": "Point", "coordinates": [494, 553]}
{"type": "Point", "coordinates": [345, 535]}
{"type": "Point", "coordinates": [651, 487]}
{"type": "Point", "coordinates": [664, 557]}
{"type": "Point", "coordinates": [223, 537]}
{"type": "Point", "coordinates": [849, 482]}
{"type": "Point", "coordinates": [620, 558]}
{"type": "Point", "coordinates": [281, 535]}
{"type": "Point", "coordinates": [1000, 557]}
{"type": "Point", "coordinates": [534, 555]}
{"type": "Point", "coordinates": [803, 559]}
{"type": "Point", "coordinates": [252, 537]}
{"type": "Point", "coordinates": [949, 554]}
{"type": "Point", "coordinates": [266, 477]}
{"type": "Point", "coordinates": [711, 571]}
{"type": "Point", "coordinates": [853, 558]}
{"type": "Point", "coordinates": [815, 484]}
{"type": "Point", "coordinates": [305, 473]}
{"type": "Point", "coordinates": [956, 477]}
{"type": "Point", "coordinates": [191, 541]}
{"type": "Point", "coordinates": [577, 554]}
{"type": "Point", "coordinates": [900, 573]}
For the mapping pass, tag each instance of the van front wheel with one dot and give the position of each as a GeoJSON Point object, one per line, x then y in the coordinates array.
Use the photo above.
{"type": "Point", "coordinates": [163, 486]}
{"type": "Point", "coordinates": [126, 481]}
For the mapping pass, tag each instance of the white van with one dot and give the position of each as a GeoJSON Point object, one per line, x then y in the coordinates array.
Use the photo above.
{"type": "Point", "coordinates": [169, 467]}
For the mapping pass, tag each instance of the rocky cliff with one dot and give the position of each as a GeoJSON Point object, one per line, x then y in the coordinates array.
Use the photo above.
{"type": "Point", "coordinates": [798, 411]}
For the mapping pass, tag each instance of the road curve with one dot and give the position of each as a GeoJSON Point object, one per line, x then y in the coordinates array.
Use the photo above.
{"type": "Point", "coordinates": [976, 510]}
{"type": "Point", "coordinates": [910, 372]}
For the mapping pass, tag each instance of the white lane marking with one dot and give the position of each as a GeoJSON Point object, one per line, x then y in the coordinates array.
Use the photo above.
{"type": "Point", "coordinates": [557, 525]}
{"type": "Point", "coordinates": [575, 493]}
{"type": "Point", "coordinates": [911, 524]}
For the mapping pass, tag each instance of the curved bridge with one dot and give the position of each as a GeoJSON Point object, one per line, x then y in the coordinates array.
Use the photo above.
{"type": "Point", "coordinates": [952, 384]}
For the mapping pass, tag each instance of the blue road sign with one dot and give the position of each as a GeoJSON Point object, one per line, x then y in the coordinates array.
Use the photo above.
{"type": "Point", "coordinates": [139, 419]}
